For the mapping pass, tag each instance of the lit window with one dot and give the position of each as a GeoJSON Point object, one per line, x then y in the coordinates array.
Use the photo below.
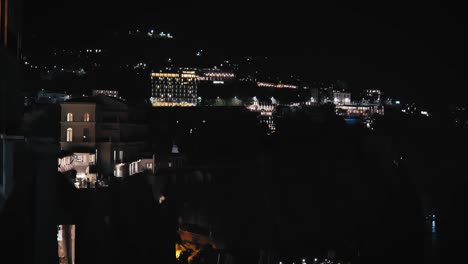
{"type": "Point", "coordinates": [69, 117]}
{"type": "Point", "coordinates": [69, 135]}
{"type": "Point", "coordinates": [121, 155]}
{"type": "Point", "coordinates": [86, 117]}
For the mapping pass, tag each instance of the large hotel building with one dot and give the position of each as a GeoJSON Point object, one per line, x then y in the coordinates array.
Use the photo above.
{"type": "Point", "coordinates": [177, 88]}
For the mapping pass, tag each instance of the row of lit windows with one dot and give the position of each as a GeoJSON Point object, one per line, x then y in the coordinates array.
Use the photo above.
{"type": "Point", "coordinates": [166, 99]}
{"type": "Point", "coordinates": [183, 104]}
{"type": "Point", "coordinates": [173, 79]}
{"type": "Point", "coordinates": [172, 75]}
{"type": "Point", "coordinates": [172, 87]}
{"type": "Point", "coordinates": [174, 95]}
{"type": "Point", "coordinates": [85, 117]}
{"type": "Point", "coordinates": [173, 92]}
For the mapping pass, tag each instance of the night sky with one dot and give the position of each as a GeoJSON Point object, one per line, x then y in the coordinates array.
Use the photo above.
{"type": "Point", "coordinates": [408, 49]}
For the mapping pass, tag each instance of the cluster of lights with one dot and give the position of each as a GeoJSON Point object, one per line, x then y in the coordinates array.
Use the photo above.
{"type": "Point", "coordinates": [46, 69]}
{"type": "Point", "coordinates": [173, 104]}
{"type": "Point", "coordinates": [372, 92]}
{"type": "Point", "coordinates": [152, 34]}
{"type": "Point", "coordinates": [93, 50]}
{"type": "Point", "coordinates": [412, 109]}
{"type": "Point", "coordinates": [360, 110]}
{"type": "Point", "coordinates": [112, 93]}
{"type": "Point", "coordinates": [220, 74]}
{"type": "Point", "coordinates": [140, 65]}
{"type": "Point", "coordinates": [257, 107]}
{"type": "Point", "coordinates": [274, 85]}
{"type": "Point", "coordinates": [315, 261]}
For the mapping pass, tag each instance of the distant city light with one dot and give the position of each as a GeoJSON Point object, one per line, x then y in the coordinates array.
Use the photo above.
{"type": "Point", "coordinates": [397, 102]}
{"type": "Point", "coordinates": [162, 198]}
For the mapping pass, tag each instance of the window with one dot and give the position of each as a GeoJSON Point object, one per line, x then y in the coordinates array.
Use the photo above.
{"type": "Point", "coordinates": [69, 135]}
{"type": "Point", "coordinates": [86, 117]}
{"type": "Point", "coordinates": [69, 117]}
{"type": "Point", "coordinates": [121, 155]}
{"type": "Point", "coordinates": [115, 155]}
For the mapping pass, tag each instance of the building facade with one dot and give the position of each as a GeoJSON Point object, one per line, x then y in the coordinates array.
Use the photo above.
{"type": "Point", "coordinates": [177, 88]}
{"type": "Point", "coordinates": [341, 98]}
{"type": "Point", "coordinates": [103, 132]}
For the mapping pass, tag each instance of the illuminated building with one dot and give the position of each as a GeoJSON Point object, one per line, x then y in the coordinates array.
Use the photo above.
{"type": "Point", "coordinates": [359, 110]}
{"type": "Point", "coordinates": [66, 243]}
{"type": "Point", "coordinates": [266, 114]}
{"type": "Point", "coordinates": [174, 88]}
{"type": "Point", "coordinates": [341, 98]}
{"type": "Point", "coordinates": [112, 93]}
{"type": "Point", "coordinates": [276, 85]}
{"type": "Point", "coordinates": [215, 75]}
{"type": "Point", "coordinates": [105, 132]}
{"type": "Point", "coordinates": [372, 96]}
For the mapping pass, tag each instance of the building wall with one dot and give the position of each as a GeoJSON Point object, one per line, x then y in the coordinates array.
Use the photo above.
{"type": "Point", "coordinates": [133, 132]}
{"type": "Point", "coordinates": [109, 132]}
{"type": "Point", "coordinates": [8, 144]}
{"type": "Point", "coordinates": [104, 157]}
{"type": "Point", "coordinates": [72, 146]}
{"type": "Point", "coordinates": [78, 125]}
{"type": "Point", "coordinates": [11, 101]}
{"type": "Point", "coordinates": [30, 238]}
{"type": "Point", "coordinates": [111, 115]}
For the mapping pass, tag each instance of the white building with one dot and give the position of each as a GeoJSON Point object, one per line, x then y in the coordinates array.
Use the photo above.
{"type": "Point", "coordinates": [341, 98]}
